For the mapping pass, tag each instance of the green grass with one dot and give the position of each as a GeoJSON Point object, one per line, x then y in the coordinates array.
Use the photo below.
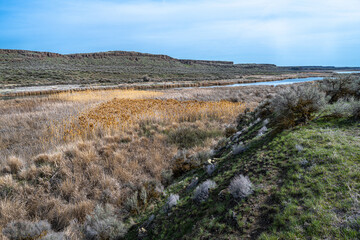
{"type": "Point", "coordinates": [309, 194]}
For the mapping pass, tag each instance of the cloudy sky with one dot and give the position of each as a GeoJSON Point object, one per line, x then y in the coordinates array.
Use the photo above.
{"type": "Point", "coordinates": [283, 32]}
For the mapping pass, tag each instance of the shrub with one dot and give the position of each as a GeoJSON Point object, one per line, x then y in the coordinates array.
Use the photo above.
{"type": "Point", "coordinates": [23, 230]}
{"type": "Point", "coordinates": [103, 224]}
{"type": "Point", "coordinates": [264, 109]}
{"type": "Point", "coordinates": [54, 236]}
{"type": "Point", "coordinates": [355, 110]}
{"type": "Point", "coordinates": [345, 107]}
{"type": "Point", "coordinates": [74, 231]}
{"type": "Point", "coordinates": [296, 105]}
{"type": "Point", "coordinates": [239, 148]}
{"type": "Point", "coordinates": [187, 137]}
{"type": "Point", "coordinates": [299, 148]}
{"type": "Point", "coordinates": [262, 131]}
{"type": "Point", "coordinates": [12, 209]}
{"type": "Point", "coordinates": [184, 162]}
{"type": "Point", "coordinates": [210, 168]}
{"type": "Point", "coordinates": [14, 164]}
{"type": "Point", "coordinates": [201, 193]}
{"type": "Point", "coordinates": [192, 184]}
{"type": "Point", "coordinates": [341, 108]}
{"type": "Point", "coordinates": [340, 87]}
{"type": "Point", "coordinates": [146, 78]}
{"type": "Point", "coordinates": [132, 203]}
{"type": "Point", "coordinates": [229, 131]}
{"type": "Point", "coordinates": [266, 122]}
{"type": "Point", "coordinates": [166, 177]}
{"type": "Point", "coordinates": [7, 186]}
{"type": "Point", "coordinates": [171, 202]}
{"type": "Point", "coordinates": [240, 187]}
{"type": "Point", "coordinates": [203, 156]}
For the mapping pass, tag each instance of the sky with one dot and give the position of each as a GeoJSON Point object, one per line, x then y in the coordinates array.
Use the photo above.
{"type": "Point", "coordinates": [282, 32]}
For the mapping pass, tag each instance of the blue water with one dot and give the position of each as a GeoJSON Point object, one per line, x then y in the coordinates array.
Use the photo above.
{"type": "Point", "coordinates": [348, 72]}
{"type": "Point", "coordinates": [272, 83]}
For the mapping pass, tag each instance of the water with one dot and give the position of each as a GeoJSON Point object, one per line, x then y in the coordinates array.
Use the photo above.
{"type": "Point", "coordinates": [272, 83]}
{"type": "Point", "coordinates": [347, 72]}
{"type": "Point", "coordinates": [39, 88]}
{"type": "Point", "coordinates": [69, 87]}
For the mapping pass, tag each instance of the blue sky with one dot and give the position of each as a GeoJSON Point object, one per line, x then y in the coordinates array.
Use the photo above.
{"type": "Point", "coordinates": [283, 32]}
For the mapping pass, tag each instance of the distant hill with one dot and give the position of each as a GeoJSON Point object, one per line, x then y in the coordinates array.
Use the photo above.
{"type": "Point", "coordinates": [20, 67]}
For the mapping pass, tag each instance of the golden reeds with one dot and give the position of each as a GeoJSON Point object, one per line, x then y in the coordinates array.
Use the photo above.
{"type": "Point", "coordinates": [121, 114]}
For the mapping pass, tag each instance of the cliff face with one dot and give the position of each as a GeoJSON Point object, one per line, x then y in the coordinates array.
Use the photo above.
{"type": "Point", "coordinates": [29, 54]}
{"type": "Point", "coordinates": [117, 54]}
{"type": "Point", "coordinates": [204, 62]}
{"type": "Point", "coordinates": [249, 66]}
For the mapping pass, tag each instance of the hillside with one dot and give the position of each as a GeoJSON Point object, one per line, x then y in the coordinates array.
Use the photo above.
{"type": "Point", "coordinates": [20, 67]}
{"type": "Point", "coordinates": [305, 186]}
{"type": "Point", "coordinates": [290, 170]}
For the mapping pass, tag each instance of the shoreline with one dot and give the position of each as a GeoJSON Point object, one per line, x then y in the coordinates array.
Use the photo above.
{"type": "Point", "coordinates": [13, 92]}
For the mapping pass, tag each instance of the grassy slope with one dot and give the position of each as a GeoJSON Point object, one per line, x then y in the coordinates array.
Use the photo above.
{"type": "Point", "coordinates": [308, 194]}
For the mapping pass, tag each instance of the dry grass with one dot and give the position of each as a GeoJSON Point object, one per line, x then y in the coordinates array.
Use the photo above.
{"type": "Point", "coordinates": [24, 124]}
{"type": "Point", "coordinates": [251, 95]}
{"type": "Point", "coordinates": [119, 147]}
{"type": "Point", "coordinates": [30, 126]}
{"type": "Point", "coordinates": [105, 95]}
{"type": "Point", "coordinates": [124, 113]}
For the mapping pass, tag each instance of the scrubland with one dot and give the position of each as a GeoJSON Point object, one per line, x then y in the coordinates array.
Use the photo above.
{"type": "Point", "coordinates": [183, 164]}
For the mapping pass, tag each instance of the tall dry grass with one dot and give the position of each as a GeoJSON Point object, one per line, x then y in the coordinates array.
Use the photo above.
{"type": "Point", "coordinates": [122, 114]}
{"type": "Point", "coordinates": [29, 126]}
{"type": "Point", "coordinates": [251, 95]}
{"type": "Point", "coordinates": [120, 147]}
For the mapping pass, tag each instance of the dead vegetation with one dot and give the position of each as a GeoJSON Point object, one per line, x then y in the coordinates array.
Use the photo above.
{"type": "Point", "coordinates": [46, 176]}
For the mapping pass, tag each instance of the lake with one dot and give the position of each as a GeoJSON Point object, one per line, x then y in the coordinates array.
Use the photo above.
{"type": "Point", "coordinates": [347, 72]}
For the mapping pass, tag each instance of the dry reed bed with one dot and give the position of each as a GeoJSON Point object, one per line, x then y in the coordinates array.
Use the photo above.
{"type": "Point", "coordinates": [30, 126]}
{"type": "Point", "coordinates": [123, 113]}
